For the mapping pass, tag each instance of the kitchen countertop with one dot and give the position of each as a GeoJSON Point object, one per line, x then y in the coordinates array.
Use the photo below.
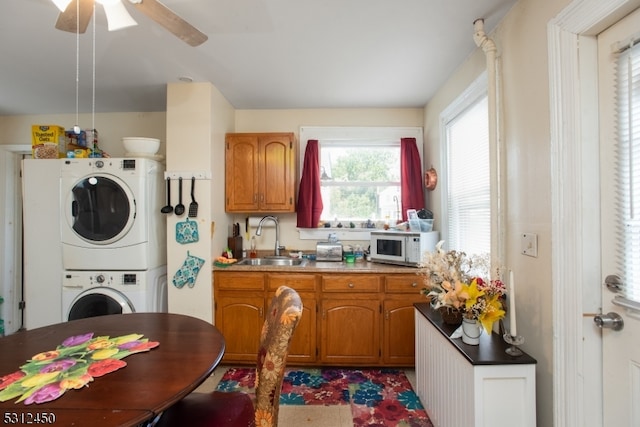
{"type": "Point", "coordinates": [326, 266]}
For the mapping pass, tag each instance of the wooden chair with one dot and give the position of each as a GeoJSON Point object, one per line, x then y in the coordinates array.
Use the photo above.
{"type": "Point", "coordinates": [221, 409]}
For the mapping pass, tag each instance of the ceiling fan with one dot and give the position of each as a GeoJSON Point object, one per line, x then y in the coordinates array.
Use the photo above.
{"type": "Point", "coordinates": [76, 14]}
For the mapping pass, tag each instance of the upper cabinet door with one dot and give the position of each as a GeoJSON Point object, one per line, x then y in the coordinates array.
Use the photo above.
{"type": "Point", "coordinates": [241, 161]}
{"type": "Point", "coordinates": [260, 172]}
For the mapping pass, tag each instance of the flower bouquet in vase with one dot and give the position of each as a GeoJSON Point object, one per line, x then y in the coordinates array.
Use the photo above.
{"type": "Point", "coordinates": [461, 284]}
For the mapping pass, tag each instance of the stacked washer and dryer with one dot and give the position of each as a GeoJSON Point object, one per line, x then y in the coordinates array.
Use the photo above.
{"type": "Point", "coordinates": [94, 239]}
{"type": "Point", "coordinates": [113, 237]}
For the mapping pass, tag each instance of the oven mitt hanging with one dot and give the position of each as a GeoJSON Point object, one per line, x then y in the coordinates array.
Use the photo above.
{"type": "Point", "coordinates": [187, 232]}
{"type": "Point", "coordinates": [187, 274]}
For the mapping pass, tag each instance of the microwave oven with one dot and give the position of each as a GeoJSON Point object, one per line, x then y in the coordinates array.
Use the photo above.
{"type": "Point", "coordinates": [402, 247]}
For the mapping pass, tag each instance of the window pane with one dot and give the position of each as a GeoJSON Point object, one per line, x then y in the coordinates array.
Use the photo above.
{"type": "Point", "coordinates": [360, 180]}
{"type": "Point", "coordinates": [360, 203]}
{"type": "Point", "coordinates": [360, 162]}
{"type": "Point", "coordinates": [468, 180]}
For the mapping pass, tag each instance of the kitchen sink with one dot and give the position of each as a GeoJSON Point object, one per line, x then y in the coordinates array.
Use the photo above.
{"type": "Point", "coordinates": [277, 261]}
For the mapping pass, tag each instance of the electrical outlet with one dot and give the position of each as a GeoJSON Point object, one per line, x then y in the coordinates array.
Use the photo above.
{"type": "Point", "coordinates": [529, 244]}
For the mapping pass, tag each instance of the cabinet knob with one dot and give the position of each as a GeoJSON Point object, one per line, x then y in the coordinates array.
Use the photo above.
{"type": "Point", "coordinates": [414, 284]}
{"type": "Point", "coordinates": [351, 285]}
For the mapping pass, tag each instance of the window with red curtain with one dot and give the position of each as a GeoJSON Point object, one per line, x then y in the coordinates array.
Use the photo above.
{"type": "Point", "coordinates": [360, 174]}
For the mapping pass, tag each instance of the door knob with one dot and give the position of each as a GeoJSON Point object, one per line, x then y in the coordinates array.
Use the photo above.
{"type": "Point", "coordinates": [609, 321]}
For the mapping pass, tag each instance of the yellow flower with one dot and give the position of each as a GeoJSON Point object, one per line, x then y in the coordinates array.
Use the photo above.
{"type": "Point", "coordinates": [473, 293]}
{"type": "Point", "coordinates": [102, 342]}
{"type": "Point", "coordinates": [289, 316]}
{"type": "Point", "coordinates": [39, 379]}
{"type": "Point", "coordinates": [264, 418]}
{"type": "Point", "coordinates": [76, 382]}
{"type": "Point", "coordinates": [46, 355]}
{"type": "Point", "coordinates": [104, 353]}
{"type": "Point", "coordinates": [493, 313]}
{"type": "Point", "coordinates": [126, 338]}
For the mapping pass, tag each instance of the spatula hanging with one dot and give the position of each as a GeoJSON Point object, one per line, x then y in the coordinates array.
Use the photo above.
{"type": "Point", "coordinates": [193, 207]}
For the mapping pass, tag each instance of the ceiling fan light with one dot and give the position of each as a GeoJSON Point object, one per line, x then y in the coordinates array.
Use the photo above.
{"type": "Point", "coordinates": [61, 4]}
{"type": "Point", "coordinates": [117, 16]}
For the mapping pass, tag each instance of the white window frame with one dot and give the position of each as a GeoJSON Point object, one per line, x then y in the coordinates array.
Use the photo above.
{"type": "Point", "coordinates": [471, 95]}
{"type": "Point", "coordinates": [352, 134]}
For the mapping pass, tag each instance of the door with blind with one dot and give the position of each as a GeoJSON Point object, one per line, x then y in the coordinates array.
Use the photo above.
{"type": "Point", "coordinates": [619, 94]}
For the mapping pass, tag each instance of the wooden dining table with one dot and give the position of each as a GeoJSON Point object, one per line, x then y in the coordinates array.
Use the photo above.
{"type": "Point", "coordinates": [189, 350]}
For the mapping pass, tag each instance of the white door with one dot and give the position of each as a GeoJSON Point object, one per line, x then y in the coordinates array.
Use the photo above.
{"type": "Point", "coordinates": [621, 348]}
{"type": "Point", "coordinates": [11, 235]}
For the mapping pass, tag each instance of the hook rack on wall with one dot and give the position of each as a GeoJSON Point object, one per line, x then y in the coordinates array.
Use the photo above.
{"type": "Point", "coordinates": [187, 175]}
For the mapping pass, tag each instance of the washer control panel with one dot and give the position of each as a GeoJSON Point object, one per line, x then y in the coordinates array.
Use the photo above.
{"type": "Point", "coordinates": [88, 279]}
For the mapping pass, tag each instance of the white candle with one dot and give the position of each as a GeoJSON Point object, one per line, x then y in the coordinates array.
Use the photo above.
{"type": "Point", "coordinates": [512, 306]}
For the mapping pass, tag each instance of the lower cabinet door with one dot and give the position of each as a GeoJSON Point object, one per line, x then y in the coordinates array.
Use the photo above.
{"type": "Point", "coordinates": [350, 330]}
{"type": "Point", "coordinates": [398, 343]}
{"type": "Point", "coordinates": [240, 320]}
{"type": "Point", "coordinates": [303, 343]}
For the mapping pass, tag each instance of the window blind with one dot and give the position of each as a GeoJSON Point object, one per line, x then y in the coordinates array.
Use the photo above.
{"type": "Point", "coordinates": [628, 166]}
{"type": "Point", "coordinates": [468, 180]}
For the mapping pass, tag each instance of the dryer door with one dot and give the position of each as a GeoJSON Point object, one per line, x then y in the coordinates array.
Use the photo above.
{"type": "Point", "coordinates": [100, 209]}
{"type": "Point", "coordinates": [99, 301]}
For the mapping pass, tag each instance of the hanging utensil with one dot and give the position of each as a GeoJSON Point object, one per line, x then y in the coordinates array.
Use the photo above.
{"type": "Point", "coordinates": [179, 210]}
{"type": "Point", "coordinates": [193, 207]}
{"type": "Point", "coordinates": [168, 208]}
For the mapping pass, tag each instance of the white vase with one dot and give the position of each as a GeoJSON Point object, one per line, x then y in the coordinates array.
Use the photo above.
{"type": "Point", "coordinates": [471, 331]}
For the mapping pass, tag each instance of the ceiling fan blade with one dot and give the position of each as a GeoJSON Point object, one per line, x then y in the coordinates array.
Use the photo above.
{"type": "Point", "coordinates": [172, 22]}
{"type": "Point", "coordinates": [68, 20]}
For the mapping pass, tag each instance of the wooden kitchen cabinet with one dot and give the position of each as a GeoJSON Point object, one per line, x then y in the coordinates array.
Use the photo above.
{"type": "Point", "coordinates": [303, 343]}
{"type": "Point", "coordinates": [240, 320]}
{"type": "Point", "coordinates": [398, 330]}
{"type": "Point", "coordinates": [350, 325]}
{"type": "Point", "coordinates": [354, 319]}
{"type": "Point", "coordinates": [239, 303]}
{"type": "Point", "coordinates": [260, 172]}
{"type": "Point", "coordinates": [350, 331]}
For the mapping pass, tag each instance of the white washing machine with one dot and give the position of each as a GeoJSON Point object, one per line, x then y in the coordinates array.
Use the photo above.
{"type": "Point", "coordinates": [110, 214]}
{"type": "Point", "coordinates": [98, 293]}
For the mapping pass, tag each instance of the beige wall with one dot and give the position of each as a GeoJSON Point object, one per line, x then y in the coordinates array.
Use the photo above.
{"type": "Point", "coordinates": [521, 40]}
{"type": "Point", "coordinates": [111, 128]}
{"type": "Point", "coordinates": [197, 119]}
{"type": "Point", "coordinates": [291, 121]}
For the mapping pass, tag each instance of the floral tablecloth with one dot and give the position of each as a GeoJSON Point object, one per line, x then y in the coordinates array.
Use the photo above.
{"type": "Point", "coordinates": [72, 365]}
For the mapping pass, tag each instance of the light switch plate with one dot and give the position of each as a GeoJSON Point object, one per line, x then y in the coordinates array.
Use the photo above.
{"type": "Point", "coordinates": [529, 244]}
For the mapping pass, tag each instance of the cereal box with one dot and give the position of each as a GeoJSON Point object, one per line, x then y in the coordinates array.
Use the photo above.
{"type": "Point", "coordinates": [47, 141]}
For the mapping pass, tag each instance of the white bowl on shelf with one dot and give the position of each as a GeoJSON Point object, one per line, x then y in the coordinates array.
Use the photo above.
{"type": "Point", "coordinates": [141, 145]}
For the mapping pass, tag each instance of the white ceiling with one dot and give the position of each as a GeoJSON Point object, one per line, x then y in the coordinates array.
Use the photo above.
{"type": "Point", "coordinates": [261, 54]}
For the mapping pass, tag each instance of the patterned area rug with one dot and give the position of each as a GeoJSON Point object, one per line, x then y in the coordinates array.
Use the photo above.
{"type": "Point", "coordinates": [378, 397]}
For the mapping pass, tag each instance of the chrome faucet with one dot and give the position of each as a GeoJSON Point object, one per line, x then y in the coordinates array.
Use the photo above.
{"type": "Point", "coordinates": [275, 220]}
